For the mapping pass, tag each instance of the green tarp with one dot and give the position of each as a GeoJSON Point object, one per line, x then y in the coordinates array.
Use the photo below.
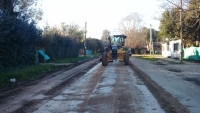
{"type": "Point", "coordinates": [46, 57]}
{"type": "Point", "coordinates": [192, 53]}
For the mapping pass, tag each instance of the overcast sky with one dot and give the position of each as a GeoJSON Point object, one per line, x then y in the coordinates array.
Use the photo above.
{"type": "Point", "coordinates": [99, 14]}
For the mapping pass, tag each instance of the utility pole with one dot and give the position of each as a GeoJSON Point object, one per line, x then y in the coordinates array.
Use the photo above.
{"type": "Point", "coordinates": [85, 39]}
{"type": "Point", "coordinates": [181, 34]}
{"type": "Point", "coordinates": [151, 42]}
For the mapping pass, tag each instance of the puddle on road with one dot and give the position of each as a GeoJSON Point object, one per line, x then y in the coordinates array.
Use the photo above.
{"type": "Point", "coordinates": [193, 79]}
{"type": "Point", "coordinates": [175, 70]}
{"type": "Point", "coordinates": [159, 63]}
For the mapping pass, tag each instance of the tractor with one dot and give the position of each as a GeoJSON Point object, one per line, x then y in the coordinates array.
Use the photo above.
{"type": "Point", "coordinates": [116, 50]}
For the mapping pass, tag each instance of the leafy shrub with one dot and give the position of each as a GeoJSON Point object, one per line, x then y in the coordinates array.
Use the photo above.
{"type": "Point", "coordinates": [18, 42]}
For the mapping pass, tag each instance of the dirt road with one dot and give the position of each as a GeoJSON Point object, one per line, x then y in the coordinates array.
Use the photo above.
{"type": "Point", "coordinates": [111, 89]}
{"type": "Point", "coordinates": [176, 84]}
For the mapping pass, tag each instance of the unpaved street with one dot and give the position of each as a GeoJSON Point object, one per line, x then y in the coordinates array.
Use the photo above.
{"type": "Point", "coordinates": [180, 82]}
{"type": "Point", "coordinates": [111, 89]}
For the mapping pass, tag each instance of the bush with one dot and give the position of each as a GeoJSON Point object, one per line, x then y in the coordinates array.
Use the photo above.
{"type": "Point", "coordinates": [18, 42]}
{"type": "Point", "coordinates": [60, 47]}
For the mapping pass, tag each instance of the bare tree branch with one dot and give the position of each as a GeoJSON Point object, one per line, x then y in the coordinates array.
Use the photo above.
{"type": "Point", "coordinates": [131, 26]}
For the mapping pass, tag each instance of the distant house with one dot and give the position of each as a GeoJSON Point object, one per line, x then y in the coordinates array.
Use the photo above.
{"type": "Point", "coordinates": [156, 47]}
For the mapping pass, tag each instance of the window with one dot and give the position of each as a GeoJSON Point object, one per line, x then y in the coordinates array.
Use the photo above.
{"type": "Point", "coordinates": [176, 47]}
{"type": "Point", "coordinates": [117, 39]}
{"type": "Point", "coordinates": [167, 47]}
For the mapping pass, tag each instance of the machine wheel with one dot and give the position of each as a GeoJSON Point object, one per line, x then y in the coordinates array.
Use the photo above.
{"type": "Point", "coordinates": [104, 59]}
{"type": "Point", "coordinates": [126, 58]}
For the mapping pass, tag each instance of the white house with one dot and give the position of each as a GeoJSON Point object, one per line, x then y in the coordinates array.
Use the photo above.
{"type": "Point", "coordinates": [172, 49]}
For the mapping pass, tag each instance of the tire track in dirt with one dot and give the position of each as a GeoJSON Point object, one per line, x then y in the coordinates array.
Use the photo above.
{"type": "Point", "coordinates": [74, 98]}
{"type": "Point", "coordinates": [120, 91]}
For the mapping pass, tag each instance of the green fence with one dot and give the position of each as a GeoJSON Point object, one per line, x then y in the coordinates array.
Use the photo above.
{"type": "Point", "coordinates": [89, 52]}
{"type": "Point", "coordinates": [192, 53]}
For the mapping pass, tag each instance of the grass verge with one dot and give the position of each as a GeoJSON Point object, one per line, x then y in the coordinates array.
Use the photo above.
{"type": "Point", "coordinates": [151, 58]}
{"type": "Point", "coordinates": [31, 72]}
{"type": "Point", "coordinates": [71, 60]}
{"type": "Point", "coordinates": [25, 73]}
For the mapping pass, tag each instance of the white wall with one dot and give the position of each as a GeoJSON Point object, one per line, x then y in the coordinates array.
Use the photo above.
{"type": "Point", "coordinates": [165, 50]}
{"type": "Point", "coordinates": [170, 52]}
{"type": "Point", "coordinates": [175, 53]}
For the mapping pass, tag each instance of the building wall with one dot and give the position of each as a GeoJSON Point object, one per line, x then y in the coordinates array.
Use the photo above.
{"type": "Point", "coordinates": [172, 50]}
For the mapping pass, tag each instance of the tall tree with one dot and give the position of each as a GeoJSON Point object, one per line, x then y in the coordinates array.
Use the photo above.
{"type": "Point", "coordinates": [190, 17]}
{"type": "Point", "coordinates": [169, 27]}
{"type": "Point", "coordinates": [24, 9]}
{"type": "Point", "coordinates": [73, 31]}
{"type": "Point", "coordinates": [131, 26]}
{"type": "Point", "coordinates": [146, 34]}
{"type": "Point", "coordinates": [94, 44]}
{"type": "Point", "coordinates": [70, 30]}
{"type": "Point", "coordinates": [18, 33]}
{"type": "Point", "coordinates": [104, 38]}
{"type": "Point", "coordinates": [191, 23]}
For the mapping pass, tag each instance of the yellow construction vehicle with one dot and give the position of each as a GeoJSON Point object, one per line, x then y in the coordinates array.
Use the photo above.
{"type": "Point", "coordinates": [116, 51]}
